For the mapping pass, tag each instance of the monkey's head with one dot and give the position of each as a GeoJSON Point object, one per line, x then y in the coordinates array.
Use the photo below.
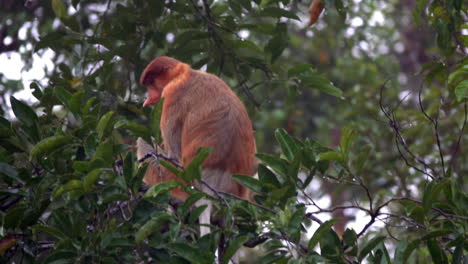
{"type": "Point", "coordinates": [156, 75]}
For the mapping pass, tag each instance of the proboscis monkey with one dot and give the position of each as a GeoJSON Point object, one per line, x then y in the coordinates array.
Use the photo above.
{"type": "Point", "coordinates": [199, 110]}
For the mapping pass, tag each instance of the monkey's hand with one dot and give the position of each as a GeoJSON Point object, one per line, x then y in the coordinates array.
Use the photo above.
{"type": "Point", "coordinates": [144, 151]}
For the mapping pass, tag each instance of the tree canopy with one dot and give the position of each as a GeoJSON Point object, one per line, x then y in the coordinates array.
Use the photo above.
{"type": "Point", "coordinates": [365, 109]}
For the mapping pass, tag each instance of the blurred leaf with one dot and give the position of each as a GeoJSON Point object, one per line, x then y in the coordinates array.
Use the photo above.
{"type": "Point", "coordinates": [36, 91]}
{"type": "Point", "coordinates": [249, 182]}
{"type": "Point", "coordinates": [105, 152]}
{"type": "Point", "coordinates": [47, 145]}
{"type": "Point", "coordinates": [6, 243]}
{"type": "Point", "coordinates": [23, 112]}
{"type": "Point", "coordinates": [63, 95]}
{"type": "Point", "coordinates": [161, 187]}
{"type": "Point", "coordinates": [10, 172]}
{"type": "Point", "coordinates": [104, 124]}
{"type": "Point", "coordinates": [277, 13]}
{"type": "Point", "coordinates": [277, 164]}
{"type": "Point", "coordinates": [438, 256]}
{"type": "Point", "coordinates": [461, 90]}
{"type": "Point", "coordinates": [431, 194]}
{"type": "Point", "coordinates": [74, 102]}
{"type": "Point", "coordinates": [331, 155]}
{"type": "Point", "coordinates": [267, 177]}
{"type": "Point", "coordinates": [193, 170]}
{"type": "Point", "coordinates": [136, 129]}
{"type": "Point", "coordinates": [195, 213]}
{"type": "Point", "coordinates": [234, 245]}
{"type": "Point", "coordinates": [347, 136]}
{"type": "Point", "coordinates": [59, 8]}
{"type": "Point", "coordinates": [276, 46]}
{"type": "Point", "coordinates": [317, 236]}
{"type": "Point", "coordinates": [49, 230]}
{"type": "Point", "coordinates": [369, 246]}
{"type": "Point", "coordinates": [300, 69]}
{"type": "Point", "coordinates": [151, 226]}
{"type": "Point", "coordinates": [156, 119]}
{"type": "Point", "coordinates": [128, 167]}
{"type": "Point", "coordinates": [317, 81]}
{"type": "Point", "coordinates": [288, 145]}
{"type": "Point", "coordinates": [190, 253]}
{"type": "Point", "coordinates": [91, 178]}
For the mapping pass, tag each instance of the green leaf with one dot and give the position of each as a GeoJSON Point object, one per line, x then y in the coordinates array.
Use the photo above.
{"type": "Point", "coordinates": [128, 166]}
{"type": "Point", "coordinates": [301, 69]}
{"type": "Point", "coordinates": [105, 152]}
{"type": "Point", "coordinates": [276, 13]}
{"type": "Point", "coordinates": [136, 129]}
{"type": "Point", "coordinates": [151, 226]}
{"type": "Point", "coordinates": [195, 213]}
{"type": "Point", "coordinates": [10, 172]}
{"type": "Point", "coordinates": [75, 102]}
{"type": "Point", "coordinates": [61, 257]}
{"type": "Point", "coordinates": [277, 164]}
{"type": "Point", "coordinates": [47, 145]}
{"type": "Point", "coordinates": [458, 254]}
{"type": "Point", "coordinates": [190, 253]}
{"type": "Point", "coordinates": [87, 107]}
{"type": "Point", "coordinates": [59, 8]}
{"type": "Point", "coordinates": [288, 145]}
{"type": "Point", "coordinates": [138, 178]}
{"type": "Point", "coordinates": [461, 90]}
{"type": "Point", "coordinates": [49, 230]}
{"type": "Point", "coordinates": [276, 45]}
{"type": "Point", "coordinates": [193, 170]}
{"type": "Point", "coordinates": [431, 194]}
{"type": "Point", "coordinates": [350, 237]}
{"type": "Point", "coordinates": [234, 245]}
{"type": "Point", "coordinates": [331, 155]}
{"type": "Point", "coordinates": [71, 185]}
{"type": "Point", "coordinates": [436, 233]}
{"type": "Point", "coordinates": [36, 91]}
{"type": "Point", "coordinates": [91, 178]}
{"type": "Point", "coordinates": [267, 177]}
{"type": "Point", "coordinates": [191, 200]}
{"type": "Point", "coordinates": [161, 188]}
{"type": "Point", "coordinates": [369, 246]}
{"type": "Point", "coordinates": [399, 252]}
{"type": "Point", "coordinates": [320, 232]}
{"type": "Point", "coordinates": [362, 158]}
{"type": "Point", "coordinates": [347, 137]}
{"type": "Point", "coordinates": [437, 254]}
{"type": "Point", "coordinates": [156, 119]}
{"type": "Point", "coordinates": [317, 81]}
{"type": "Point", "coordinates": [63, 95]}
{"type": "Point", "coordinates": [104, 124]}
{"type": "Point", "coordinates": [23, 112]}
{"type": "Point", "coordinates": [249, 182]}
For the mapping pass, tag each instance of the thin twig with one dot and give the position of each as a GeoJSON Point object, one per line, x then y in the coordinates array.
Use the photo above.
{"type": "Point", "coordinates": [399, 140]}
{"type": "Point", "coordinates": [436, 129]}
{"type": "Point", "coordinates": [457, 147]}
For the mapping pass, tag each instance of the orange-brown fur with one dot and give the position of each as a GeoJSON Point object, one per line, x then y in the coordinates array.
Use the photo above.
{"type": "Point", "coordinates": [200, 110]}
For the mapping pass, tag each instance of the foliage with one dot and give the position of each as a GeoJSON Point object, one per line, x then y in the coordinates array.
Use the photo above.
{"type": "Point", "coordinates": [71, 187]}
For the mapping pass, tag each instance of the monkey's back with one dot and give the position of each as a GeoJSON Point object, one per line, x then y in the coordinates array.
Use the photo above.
{"type": "Point", "coordinates": [210, 114]}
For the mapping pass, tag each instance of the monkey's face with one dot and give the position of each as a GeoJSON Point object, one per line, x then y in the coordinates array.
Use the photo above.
{"type": "Point", "coordinates": [154, 93]}
{"type": "Point", "coordinates": [156, 76]}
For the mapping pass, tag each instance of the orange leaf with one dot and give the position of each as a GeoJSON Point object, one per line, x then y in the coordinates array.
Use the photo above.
{"type": "Point", "coordinates": [315, 9]}
{"type": "Point", "coordinates": [6, 243]}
